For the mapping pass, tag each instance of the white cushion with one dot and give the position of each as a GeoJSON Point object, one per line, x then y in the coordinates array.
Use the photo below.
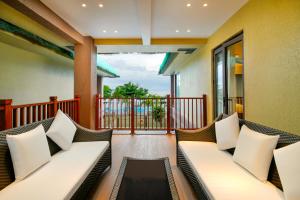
{"type": "Point", "coordinates": [28, 151]}
{"type": "Point", "coordinates": [288, 165]}
{"type": "Point", "coordinates": [254, 151]}
{"type": "Point", "coordinates": [61, 177]}
{"type": "Point", "coordinates": [223, 178]}
{"type": "Point", "coordinates": [227, 132]}
{"type": "Point", "coordinates": [62, 131]}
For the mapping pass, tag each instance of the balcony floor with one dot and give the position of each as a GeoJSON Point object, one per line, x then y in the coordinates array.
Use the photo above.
{"type": "Point", "coordinates": [142, 146]}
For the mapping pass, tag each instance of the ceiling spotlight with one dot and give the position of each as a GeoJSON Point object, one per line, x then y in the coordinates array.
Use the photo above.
{"type": "Point", "coordinates": [205, 5]}
{"type": "Point", "coordinates": [104, 31]}
{"type": "Point", "coordinates": [188, 5]}
{"type": "Point", "coordinates": [83, 5]}
{"type": "Point", "coordinates": [116, 31]}
{"type": "Point", "coordinates": [101, 5]}
{"type": "Point", "coordinates": [177, 31]}
{"type": "Point", "coordinates": [188, 30]}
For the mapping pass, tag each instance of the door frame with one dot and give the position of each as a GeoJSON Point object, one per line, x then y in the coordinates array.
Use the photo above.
{"type": "Point", "coordinates": [238, 37]}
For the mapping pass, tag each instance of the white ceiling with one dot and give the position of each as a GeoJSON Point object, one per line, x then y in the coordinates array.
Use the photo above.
{"type": "Point", "coordinates": [145, 18]}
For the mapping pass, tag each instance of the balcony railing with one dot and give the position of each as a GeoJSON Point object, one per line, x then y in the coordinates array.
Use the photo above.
{"type": "Point", "coordinates": [12, 116]}
{"type": "Point", "coordinates": [166, 113]}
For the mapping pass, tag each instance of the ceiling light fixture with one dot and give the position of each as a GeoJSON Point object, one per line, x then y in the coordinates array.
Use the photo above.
{"type": "Point", "coordinates": [188, 30]}
{"type": "Point", "coordinates": [177, 31]}
{"type": "Point", "coordinates": [188, 5]}
{"type": "Point", "coordinates": [83, 5]}
{"type": "Point", "coordinates": [104, 31]}
{"type": "Point", "coordinates": [101, 5]}
{"type": "Point", "coordinates": [116, 31]}
{"type": "Point", "coordinates": [205, 5]}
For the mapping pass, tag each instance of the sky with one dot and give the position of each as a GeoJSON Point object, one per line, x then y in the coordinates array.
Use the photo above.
{"type": "Point", "coordinates": [141, 69]}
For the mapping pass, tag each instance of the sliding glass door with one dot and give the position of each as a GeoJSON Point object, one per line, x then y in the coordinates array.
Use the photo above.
{"type": "Point", "coordinates": [219, 83]}
{"type": "Point", "coordinates": [229, 77]}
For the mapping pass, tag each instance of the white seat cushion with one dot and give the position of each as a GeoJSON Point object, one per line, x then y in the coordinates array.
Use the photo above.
{"type": "Point", "coordinates": [223, 178]}
{"type": "Point", "coordinates": [62, 130]}
{"type": "Point", "coordinates": [288, 165]}
{"type": "Point", "coordinates": [29, 151]}
{"type": "Point", "coordinates": [254, 152]}
{"type": "Point", "coordinates": [227, 132]}
{"type": "Point", "coordinates": [61, 177]}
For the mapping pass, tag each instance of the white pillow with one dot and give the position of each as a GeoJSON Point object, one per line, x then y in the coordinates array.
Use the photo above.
{"type": "Point", "coordinates": [28, 151]}
{"type": "Point", "coordinates": [254, 151]}
{"type": "Point", "coordinates": [62, 131]}
{"type": "Point", "coordinates": [288, 166]}
{"type": "Point", "coordinates": [227, 132]}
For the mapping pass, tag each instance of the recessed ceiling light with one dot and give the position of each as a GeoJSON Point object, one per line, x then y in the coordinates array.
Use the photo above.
{"type": "Point", "coordinates": [116, 31]}
{"type": "Point", "coordinates": [188, 5]}
{"type": "Point", "coordinates": [104, 31]}
{"type": "Point", "coordinates": [188, 30]}
{"type": "Point", "coordinates": [205, 5]}
{"type": "Point", "coordinates": [101, 5]}
{"type": "Point", "coordinates": [177, 31]}
{"type": "Point", "coordinates": [83, 5]}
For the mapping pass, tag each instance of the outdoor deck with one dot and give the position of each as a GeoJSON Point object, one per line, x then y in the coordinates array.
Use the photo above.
{"type": "Point", "coordinates": [142, 146]}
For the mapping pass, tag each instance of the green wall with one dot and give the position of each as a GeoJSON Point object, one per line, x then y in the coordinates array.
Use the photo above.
{"type": "Point", "coordinates": [272, 62]}
{"type": "Point", "coordinates": [28, 77]}
{"type": "Point", "coordinates": [31, 73]}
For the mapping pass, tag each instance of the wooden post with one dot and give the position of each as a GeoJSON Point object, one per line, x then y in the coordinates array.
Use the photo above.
{"type": "Point", "coordinates": [77, 100]}
{"type": "Point", "coordinates": [132, 116]}
{"type": "Point", "coordinates": [204, 110]}
{"type": "Point", "coordinates": [53, 107]}
{"type": "Point", "coordinates": [168, 115]}
{"type": "Point", "coordinates": [98, 112]}
{"type": "Point", "coordinates": [5, 114]}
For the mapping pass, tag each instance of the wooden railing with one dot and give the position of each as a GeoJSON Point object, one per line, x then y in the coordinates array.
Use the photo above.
{"type": "Point", "coordinates": [166, 113]}
{"type": "Point", "coordinates": [12, 116]}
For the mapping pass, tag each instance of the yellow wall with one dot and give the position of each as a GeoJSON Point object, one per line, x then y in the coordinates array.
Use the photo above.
{"type": "Point", "coordinates": [28, 77]}
{"type": "Point", "coordinates": [272, 62]}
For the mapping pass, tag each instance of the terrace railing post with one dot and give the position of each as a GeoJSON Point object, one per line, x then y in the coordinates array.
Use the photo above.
{"type": "Point", "coordinates": [98, 112]}
{"type": "Point", "coordinates": [204, 110]}
{"type": "Point", "coordinates": [168, 114]}
{"type": "Point", "coordinates": [132, 117]}
{"type": "Point", "coordinates": [53, 106]}
{"type": "Point", "coordinates": [77, 108]}
{"type": "Point", "coordinates": [5, 114]}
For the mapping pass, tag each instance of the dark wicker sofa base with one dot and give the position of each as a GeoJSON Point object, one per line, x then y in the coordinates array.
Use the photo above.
{"type": "Point", "coordinates": [190, 175]}
{"type": "Point", "coordinates": [92, 178]}
{"type": "Point", "coordinates": [82, 135]}
{"type": "Point", "coordinates": [207, 134]}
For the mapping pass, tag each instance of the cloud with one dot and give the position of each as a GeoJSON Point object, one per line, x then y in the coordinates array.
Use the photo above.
{"type": "Point", "coordinates": [141, 69]}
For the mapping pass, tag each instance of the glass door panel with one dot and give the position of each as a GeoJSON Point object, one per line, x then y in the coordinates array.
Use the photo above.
{"type": "Point", "coordinates": [234, 79]}
{"type": "Point", "coordinates": [219, 83]}
{"type": "Point", "coordinates": [229, 77]}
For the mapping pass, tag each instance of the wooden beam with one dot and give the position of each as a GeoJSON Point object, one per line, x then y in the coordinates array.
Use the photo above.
{"type": "Point", "coordinates": [178, 41]}
{"type": "Point", "coordinates": [40, 13]}
{"type": "Point", "coordinates": [154, 41]}
{"type": "Point", "coordinates": [119, 41]}
{"type": "Point", "coordinates": [144, 17]}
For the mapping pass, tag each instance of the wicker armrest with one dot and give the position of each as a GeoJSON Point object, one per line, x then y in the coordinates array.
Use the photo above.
{"type": "Point", "coordinates": [84, 135]}
{"type": "Point", "coordinates": [206, 134]}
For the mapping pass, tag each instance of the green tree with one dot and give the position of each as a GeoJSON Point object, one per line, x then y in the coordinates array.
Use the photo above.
{"type": "Point", "coordinates": [130, 90]}
{"type": "Point", "coordinates": [107, 91]}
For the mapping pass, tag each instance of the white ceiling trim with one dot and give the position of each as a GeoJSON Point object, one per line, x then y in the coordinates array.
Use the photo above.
{"type": "Point", "coordinates": [144, 16]}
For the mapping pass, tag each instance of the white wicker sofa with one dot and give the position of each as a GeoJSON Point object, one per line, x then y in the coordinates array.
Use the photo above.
{"type": "Point", "coordinates": [68, 175]}
{"type": "Point", "coordinates": [214, 175]}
